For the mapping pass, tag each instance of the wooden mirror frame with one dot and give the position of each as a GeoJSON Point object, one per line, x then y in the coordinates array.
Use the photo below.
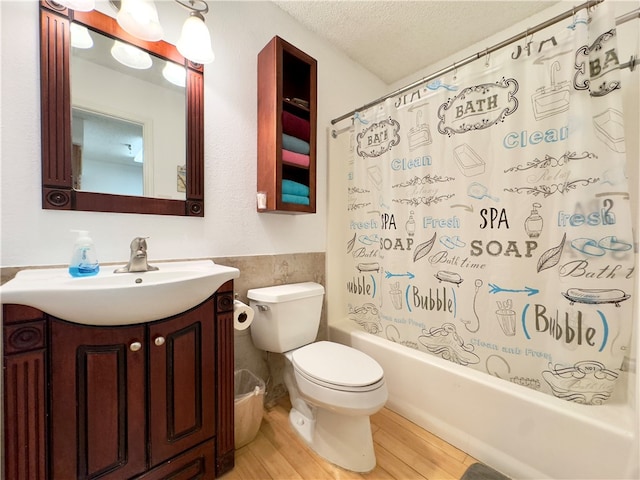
{"type": "Point", "coordinates": [55, 98]}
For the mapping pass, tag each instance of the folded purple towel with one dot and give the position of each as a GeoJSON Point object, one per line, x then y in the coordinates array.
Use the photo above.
{"type": "Point", "coordinates": [296, 126]}
{"type": "Point", "coordinates": [295, 158]}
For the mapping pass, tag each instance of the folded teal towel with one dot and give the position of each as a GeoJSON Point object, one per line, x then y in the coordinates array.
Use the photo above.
{"type": "Point", "coordinates": [299, 199]}
{"type": "Point", "coordinates": [294, 188]}
{"type": "Point", "coordinates": [294, 144]}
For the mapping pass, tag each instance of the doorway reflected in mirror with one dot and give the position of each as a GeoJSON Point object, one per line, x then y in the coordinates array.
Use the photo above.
{"type": "Point", "coordinates": [110, 157]}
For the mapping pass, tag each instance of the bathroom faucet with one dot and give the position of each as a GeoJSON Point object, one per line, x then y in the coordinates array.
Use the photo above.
{"type": "Point", "coordinates": [138, 259]}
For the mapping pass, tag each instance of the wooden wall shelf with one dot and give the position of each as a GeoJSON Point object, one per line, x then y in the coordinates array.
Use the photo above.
{"type": "Point", "coordinates": [287, 124]}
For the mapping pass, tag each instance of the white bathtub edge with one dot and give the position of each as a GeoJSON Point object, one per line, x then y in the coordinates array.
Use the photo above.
{"type": "Point", "coordinates": [544, 437]}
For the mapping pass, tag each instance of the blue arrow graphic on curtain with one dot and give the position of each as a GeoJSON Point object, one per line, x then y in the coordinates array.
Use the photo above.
{"type": "Point", "coordinates": [493, 288]}
{"type": "Point", "coordinates": [389, 275]}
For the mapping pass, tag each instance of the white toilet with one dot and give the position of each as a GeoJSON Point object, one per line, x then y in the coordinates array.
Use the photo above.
{"type": "Point", "coordinates": [333, 388]}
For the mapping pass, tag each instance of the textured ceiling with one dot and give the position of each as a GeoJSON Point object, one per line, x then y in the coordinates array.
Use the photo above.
{"type": "Point", "coordinates": [394, 39]}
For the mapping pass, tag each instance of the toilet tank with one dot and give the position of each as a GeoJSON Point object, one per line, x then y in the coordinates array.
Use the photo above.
{"type": "Point", "coordinates": [286, 316]}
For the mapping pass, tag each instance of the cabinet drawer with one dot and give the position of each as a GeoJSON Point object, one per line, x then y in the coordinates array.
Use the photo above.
{"type": "Point", "coordinates": [198, 462]}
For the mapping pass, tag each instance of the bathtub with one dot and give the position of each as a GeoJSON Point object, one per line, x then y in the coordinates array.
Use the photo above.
{"type": "Point", "coordinates": [518, 431]}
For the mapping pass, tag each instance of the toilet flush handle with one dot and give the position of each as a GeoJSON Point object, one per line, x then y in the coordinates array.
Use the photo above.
{"type": "Point", "coordinates": [261, 307]}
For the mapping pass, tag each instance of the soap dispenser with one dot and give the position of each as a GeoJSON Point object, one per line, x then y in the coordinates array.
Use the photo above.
{"type": "Point", "coordinates": [84, 261]}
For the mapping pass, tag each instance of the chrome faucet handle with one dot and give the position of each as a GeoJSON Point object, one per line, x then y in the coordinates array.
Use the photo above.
{"type": "Point", "coordinates": [138, 258]}
{"type": "Point", "coordinates": [139, 244]}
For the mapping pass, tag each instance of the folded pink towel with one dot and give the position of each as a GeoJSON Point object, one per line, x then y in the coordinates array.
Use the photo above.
{"type": "Point", "coordinates": [295, 158]}
{"type": "Point", "coordinates": [296, 126]}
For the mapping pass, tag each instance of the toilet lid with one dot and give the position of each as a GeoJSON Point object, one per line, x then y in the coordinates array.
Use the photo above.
{"type": "Point", "coordinates": [337, 364]}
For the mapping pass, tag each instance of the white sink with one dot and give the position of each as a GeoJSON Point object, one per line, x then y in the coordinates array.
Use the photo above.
{"type": "Point", "coordinates": [118, 298]}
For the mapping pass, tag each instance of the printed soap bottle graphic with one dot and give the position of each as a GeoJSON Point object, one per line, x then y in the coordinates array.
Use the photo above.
{"type": "Point", "coordinates": [533, 223]}
{"type": "Point", "coordinates": [411, 225]}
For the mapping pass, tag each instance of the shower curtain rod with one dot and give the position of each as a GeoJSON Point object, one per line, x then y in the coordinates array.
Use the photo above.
{"type": "Point", "coordinates": [487, 51]}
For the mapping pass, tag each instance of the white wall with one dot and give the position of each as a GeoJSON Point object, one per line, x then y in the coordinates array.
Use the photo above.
{"type": "Point", "coordinates": [231, 226]}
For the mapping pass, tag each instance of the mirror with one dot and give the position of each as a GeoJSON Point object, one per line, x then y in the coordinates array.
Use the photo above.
{"type": "Point", "coordinates": [129, 139]}
{"type": "Point", "coordinates": [96, 124]}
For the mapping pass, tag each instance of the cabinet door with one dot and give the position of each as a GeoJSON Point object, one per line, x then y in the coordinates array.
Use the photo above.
{"type": "Point", "coordinates": [181, 382]}
{"type": "Point", "coordinates": [97, 401]}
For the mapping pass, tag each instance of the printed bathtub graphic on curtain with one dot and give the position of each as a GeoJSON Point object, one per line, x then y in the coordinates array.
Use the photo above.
{"type": "Point", "coordinates": [489, 221]}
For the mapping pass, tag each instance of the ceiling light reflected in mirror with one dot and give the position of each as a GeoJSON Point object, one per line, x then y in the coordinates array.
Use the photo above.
{"type": "Point", "coordinates": [80, 37]}
{"type": "Point", "coordinates": [131, 56]}
{"type": "Point", "coordinates": [175, 74]}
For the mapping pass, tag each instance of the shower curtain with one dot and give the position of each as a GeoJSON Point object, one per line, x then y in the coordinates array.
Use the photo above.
{"type": "Point", "coordinates": [488, 214]}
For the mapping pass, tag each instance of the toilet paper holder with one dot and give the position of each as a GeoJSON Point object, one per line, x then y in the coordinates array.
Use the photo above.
{"type": "Point", "coordinates": [259, 306]}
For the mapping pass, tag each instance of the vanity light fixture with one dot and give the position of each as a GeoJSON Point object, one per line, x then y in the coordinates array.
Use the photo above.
{"type": "Point", "coordinates": [195, 39]}
{"type": "Point", "coordinates": [140, 19]}
{"type": "Point", "coordinates": [131, 56]}
{"type": "Point", "coordinates": [80, 37]}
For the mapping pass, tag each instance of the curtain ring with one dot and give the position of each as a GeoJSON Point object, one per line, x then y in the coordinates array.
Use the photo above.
{"type": "Point", "coordinates": [573, 17]}
{"type": "Point", "coordinates": [455, 71]}
{"type": "Point", "coordinates": [528, 40]}
{"type": "Point", "coordinates": [486, 54]}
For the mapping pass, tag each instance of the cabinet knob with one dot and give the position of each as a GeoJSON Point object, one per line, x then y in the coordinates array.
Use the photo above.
{"type": "Point", "coordinates": [159, 341]}
{"type": "Point", "coordinates": [135, 346]}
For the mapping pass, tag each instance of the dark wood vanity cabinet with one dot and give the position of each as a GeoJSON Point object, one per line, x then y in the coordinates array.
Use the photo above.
{"type": "Point", "coordinates": [147, 401]}
{"type": "Point", "coordinates": [287, 124]}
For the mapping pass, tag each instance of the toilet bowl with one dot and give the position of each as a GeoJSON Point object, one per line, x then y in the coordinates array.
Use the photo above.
{"type": "Point", "coordinates": [333, 388]}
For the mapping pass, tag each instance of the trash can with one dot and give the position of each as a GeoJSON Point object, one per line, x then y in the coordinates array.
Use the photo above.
{"type": "Point", "coordinates": [248, 406]}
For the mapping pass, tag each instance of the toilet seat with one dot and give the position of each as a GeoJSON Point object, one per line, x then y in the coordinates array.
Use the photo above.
{"type": "Point", "coordinates": [337, 367]}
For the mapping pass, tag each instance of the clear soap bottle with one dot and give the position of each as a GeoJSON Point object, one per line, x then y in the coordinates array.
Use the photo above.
{"type": "Point", "coordinates": [84, 261]}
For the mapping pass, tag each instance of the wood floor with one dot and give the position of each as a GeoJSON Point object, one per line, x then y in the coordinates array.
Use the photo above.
{"type": "Point", "coordinates": [403, 451]}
